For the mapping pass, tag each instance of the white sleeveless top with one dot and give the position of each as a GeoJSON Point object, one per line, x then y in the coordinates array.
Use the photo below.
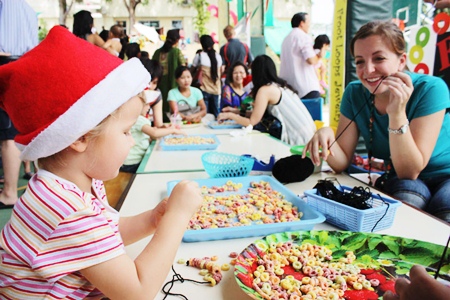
{"type": "Point", "coordinates": [298, 125]}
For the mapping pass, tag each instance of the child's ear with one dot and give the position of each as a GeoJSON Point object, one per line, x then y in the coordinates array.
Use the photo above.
{"type": "Point", "coordinates": [80, 145]}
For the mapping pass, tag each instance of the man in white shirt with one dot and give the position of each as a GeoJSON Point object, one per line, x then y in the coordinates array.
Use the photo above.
{"type": "Point", "coordinates": [298, 59]}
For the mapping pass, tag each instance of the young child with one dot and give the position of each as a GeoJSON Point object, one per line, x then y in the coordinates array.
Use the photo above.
{"type": "Point", "coordinates": [113, 44]}
{"type": "Point", "coordinates": [63, 240]}
{"type": "Point", "coordinates": [186, 95]}
{"type": "Point", "coordinates": [142, 131]}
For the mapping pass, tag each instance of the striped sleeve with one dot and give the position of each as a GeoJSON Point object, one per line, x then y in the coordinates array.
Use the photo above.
{"type": "Point", "coordinates": [59, 229]}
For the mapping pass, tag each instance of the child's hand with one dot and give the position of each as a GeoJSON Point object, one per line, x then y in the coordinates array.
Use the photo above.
{"type": "Point", "coordinates": [185, 197]}
{"type": "Point", "coordinates": [158, 213]}
{"type": "Point", "coordinates": [177, 130]}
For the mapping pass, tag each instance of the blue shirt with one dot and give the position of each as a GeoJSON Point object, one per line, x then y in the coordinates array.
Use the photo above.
{"type": "Point", "coordinates": [18, 27]}
{"type": "Point", "coordinates": [430, 95]}
{"type": "Point", "coordinates": [192, 100]}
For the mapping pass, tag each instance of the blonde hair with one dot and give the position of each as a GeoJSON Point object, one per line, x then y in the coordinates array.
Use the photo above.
{"type": "Point", "coordinates": [228, 31]}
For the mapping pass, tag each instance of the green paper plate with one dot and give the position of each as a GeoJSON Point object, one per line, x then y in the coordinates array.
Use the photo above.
{"type": "Point", "coordinates": [389, 256]}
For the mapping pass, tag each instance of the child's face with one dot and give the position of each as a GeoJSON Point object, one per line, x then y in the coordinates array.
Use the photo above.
{"type": "Point", "coordinates": [153, 84]}
{"type": "Point", "coordinates": [185, 80]}
{"type": "Point", "coordinates": [108, 152]}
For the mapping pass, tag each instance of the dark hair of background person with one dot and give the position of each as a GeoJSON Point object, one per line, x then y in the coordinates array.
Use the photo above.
{"type": "Point", "coordinates": [321, 39]}
{"type": "Point", "coordinates": [153, 67]}
{"type": "Point", "coordinates": [298, 18]}
{"type": "Point", "coordinates": [179, 71]}
{"type": "Point", "coordinates": [82, 23]}
{"type": "Point", "coordinates": [124, 42]}
{"type": "Point", "coordinates": [207, 43]}
{"type": "Point", "coordinates": [264, 72]}
{"type": "Point", "coordinates": [104, 34]}
{"type": "Point", "coordinates": [391, 34]}
{"type": "Point", "coordinates": [172, 37]}
{"type": "Point", "coordinates": [132, 50]}
{"type": "Point", "coordinates": [145, 54]}
{"type": "Point", "coordinates": [231, 70]}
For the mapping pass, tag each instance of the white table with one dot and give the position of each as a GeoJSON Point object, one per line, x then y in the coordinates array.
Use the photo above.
{"type": "Point", "coordinates": [260, 145]}
{"type": "Point", "coordinates": [147, 190]}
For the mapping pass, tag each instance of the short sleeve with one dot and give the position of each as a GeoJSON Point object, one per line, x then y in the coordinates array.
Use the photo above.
{"type": "Point", "coordinates": [198, 95]}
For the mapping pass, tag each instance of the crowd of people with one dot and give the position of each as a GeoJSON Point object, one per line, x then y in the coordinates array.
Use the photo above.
{"type": "Point", "coordinates": [64, 240]}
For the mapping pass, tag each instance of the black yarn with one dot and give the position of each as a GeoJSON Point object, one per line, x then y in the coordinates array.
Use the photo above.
{"type": "Point", "coordinates": [175, 278]}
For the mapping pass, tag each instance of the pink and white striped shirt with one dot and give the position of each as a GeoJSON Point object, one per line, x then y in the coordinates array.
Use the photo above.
{"type": "Point", "coordinates": [55, 231]}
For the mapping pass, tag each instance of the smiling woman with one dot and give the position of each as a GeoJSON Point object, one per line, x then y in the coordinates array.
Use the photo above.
{"type": "Point", "coordinates": [393, 110]}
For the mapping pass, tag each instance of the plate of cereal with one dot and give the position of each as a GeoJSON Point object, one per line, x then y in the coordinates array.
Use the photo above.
{"type": "Point", "coordinates": [190, 142]}
{"type": "Point", "coordinates": [227, 124]}
{"type": "Point", "coordinates": [240, 207]}
{"type": "Point", "coordinates": [331, 264]}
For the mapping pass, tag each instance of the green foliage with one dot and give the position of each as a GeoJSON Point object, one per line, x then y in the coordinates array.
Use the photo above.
{"type": "Point", "coordinates": [202, 17]}
{"type": "Point", "coordinates": [43, 31]}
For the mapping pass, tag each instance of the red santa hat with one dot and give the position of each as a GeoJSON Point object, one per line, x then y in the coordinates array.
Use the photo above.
{"type": "Point", "coordinates": [63, 88]}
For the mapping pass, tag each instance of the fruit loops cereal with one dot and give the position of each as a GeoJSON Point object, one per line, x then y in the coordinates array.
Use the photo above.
{"type": "Point", "coordinates": [214, 275]}
{"type": "Point", "coordinates": [189, 140]}
{"type": "Point", "coordinates": [299, 272]}
{"type": "Point", "coordinates": [259, 205]}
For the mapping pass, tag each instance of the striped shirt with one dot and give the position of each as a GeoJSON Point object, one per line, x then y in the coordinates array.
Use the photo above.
{"type": "Point", "coordinates": [55, 231]}
{"type": "Point", "coordinates": [18, 27]}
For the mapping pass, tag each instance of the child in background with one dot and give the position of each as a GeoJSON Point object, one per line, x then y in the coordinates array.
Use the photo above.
{"type": "Point", "coordinates": [186, 95]}
{"type": "Point", "coordinates": [113, 44]}
{"type": "Point", "coordinates": [142, 131]}
{"type": "Point", "coordinates": [63, 239]}
{"type": "Point", "coordinates": [322, 44]}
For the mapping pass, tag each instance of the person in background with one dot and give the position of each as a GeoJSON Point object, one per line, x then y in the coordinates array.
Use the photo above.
{"type": "Point", "coordinates": [439, 4]}
{"type": "Point", "coordinates": [142, 132]}
{"type": "Point", "coordinates": [422, 286]}
{"type": "Point", "coordinates": [104, 34]}
{"type": "Point", "coordinates": [170, 57]}
{"type": "Point", "coordinates": [132, 50]}
{"type": "Point", "coordinates": [145, 55]}
{"type": "Point", "coordinates": [209, 62]}
{"type": "Point", "coordinates": [321, 45]}
{"type": "Point", "coordinates": [83, 22]}
{"type": "Point", "coordinates": [155, 70]}
{"type": "Point", "coordinates": [234, 93]}
{"type": "Point", "coordinates": [186, 94]}
{"type": "Point", "coordinates": [18, 34]}
{"type": "Point", "coordinates": [63, 239]}
{"type": "Point", "coordinates": [113, 43]}
{"type": "Point", "coordinates": [275, 97]}
{"type": "Point", "coordinates": [393, 110]}
{"type": "Point", "coordinates": [298, 58]}
{"type": "Point", "coordinates": [234, 50]}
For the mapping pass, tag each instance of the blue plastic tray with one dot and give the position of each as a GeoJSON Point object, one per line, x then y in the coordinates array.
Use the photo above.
{"type": "Point", "coordinates": [228, 125]}
{"type": "Point", "coordinates": [213, 146]}
{"type": "Point", "coordinates": [308, 220]}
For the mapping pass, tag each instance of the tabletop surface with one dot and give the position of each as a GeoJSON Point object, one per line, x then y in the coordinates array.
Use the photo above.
{"type": "Point", "coordinates": [148, 189]}
{"type": "Point", "coordinates": [162, 161]}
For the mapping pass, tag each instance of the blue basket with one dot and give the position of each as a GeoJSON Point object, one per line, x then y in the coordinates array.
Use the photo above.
{"type": "Point", "coordinates": [220, 165]}
{"type": "Point", "coordinates": [349, 218]}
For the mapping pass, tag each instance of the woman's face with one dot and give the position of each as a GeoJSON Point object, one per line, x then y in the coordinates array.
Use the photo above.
{"type": "Point", "coordinates": [239, 74]}
{"type": "Point", "coordinates": [185, 80]}
{"type": "Point", "coordinates": [374, 61]}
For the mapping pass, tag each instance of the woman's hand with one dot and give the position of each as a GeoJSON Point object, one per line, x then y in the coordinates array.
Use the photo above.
{"type": "Point", "coordinates": [318, 145]}
{"type": "Point", "coordinates": [225, 116]}
{"type": "Point", "coordinates": [401, 88]}
{"type": "Point", "coordinates": [230, 109]}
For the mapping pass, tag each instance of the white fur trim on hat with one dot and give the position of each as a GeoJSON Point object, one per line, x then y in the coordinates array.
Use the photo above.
{"type": "Point", "coordinates": [124, 82]}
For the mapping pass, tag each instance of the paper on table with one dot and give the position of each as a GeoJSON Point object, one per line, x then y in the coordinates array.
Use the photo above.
{"type": "Point", "coordinates": [243, 131]}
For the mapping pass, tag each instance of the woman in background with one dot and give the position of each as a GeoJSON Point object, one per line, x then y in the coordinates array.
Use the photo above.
{"type": "Point", "coordinates": [170, 57]}
{"type": "Point", "coordinates": [209, 62]}
{"type": "Point", "coordinates": [273, 96]}
{"type": "Point", "coordinates": [234, 93]}
{"type": "Point", "coordinates": [82, 28]}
